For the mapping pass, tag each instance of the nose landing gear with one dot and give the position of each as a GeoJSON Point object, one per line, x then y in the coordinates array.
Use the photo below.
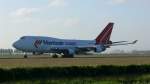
{"type": "Point", "coordinates": [25, 56]}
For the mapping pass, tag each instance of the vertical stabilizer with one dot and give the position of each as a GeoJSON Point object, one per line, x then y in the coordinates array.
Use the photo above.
{"type": "Point", "coordinates": [104, 36]}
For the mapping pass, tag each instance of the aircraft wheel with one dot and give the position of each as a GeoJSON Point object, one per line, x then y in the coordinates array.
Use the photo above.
{"type": "Point", "coordinates": [25, 56]}
{"type": "Point", "coordinates": [71, 56]}
{"type": "Point", "coordinates": [64, 56]}
{"type": "Point", "coordinates": [55, 56]}
{"type": "Point", "coordinates": [33, 53]}
{"type": "Point", "coordinates": [67, 55]}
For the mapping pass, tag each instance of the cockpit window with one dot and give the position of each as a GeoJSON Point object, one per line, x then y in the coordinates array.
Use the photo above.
{"type": "Point", "coordinates": [22, 38]}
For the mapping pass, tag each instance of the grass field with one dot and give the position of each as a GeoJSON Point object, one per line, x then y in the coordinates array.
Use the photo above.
{"type": "Point", "coordinates": [133, 74]}
{"type": "Point", "coordinates": [79, 81]}
{"type": "Point", "coordinates": [46, 61]}
{"type": "Point", "coordinates": [17, 61]}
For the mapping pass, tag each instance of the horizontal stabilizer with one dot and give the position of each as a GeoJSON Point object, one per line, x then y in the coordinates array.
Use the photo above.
{"type": "Point", "coordinates": [121, 43]}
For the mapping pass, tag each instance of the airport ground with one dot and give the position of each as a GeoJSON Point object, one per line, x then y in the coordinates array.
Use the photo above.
{"type": "Point", "coordinates": [13, 61]}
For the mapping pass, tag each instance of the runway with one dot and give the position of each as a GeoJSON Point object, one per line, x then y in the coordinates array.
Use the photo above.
{"type": "Point", "coordinates": [46, 61]}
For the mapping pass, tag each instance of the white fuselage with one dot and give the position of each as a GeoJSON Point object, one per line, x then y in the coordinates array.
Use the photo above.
{"type": "Point", "coordinates": [48, 44]}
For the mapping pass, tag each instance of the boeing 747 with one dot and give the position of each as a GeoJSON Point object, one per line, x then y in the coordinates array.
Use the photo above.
{"type": "Point", "coordinates": [67, 47]}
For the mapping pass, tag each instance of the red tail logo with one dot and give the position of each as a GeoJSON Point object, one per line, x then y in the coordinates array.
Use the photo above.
{"type": "Point", "coordinates": [104, 36]}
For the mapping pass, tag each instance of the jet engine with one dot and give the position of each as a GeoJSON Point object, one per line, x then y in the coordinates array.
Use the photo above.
{"type": "Point", "coordinates": [100, 48]}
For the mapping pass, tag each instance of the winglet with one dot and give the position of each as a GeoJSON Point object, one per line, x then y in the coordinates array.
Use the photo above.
{"type": "Point", "coordinates": [134, 42]}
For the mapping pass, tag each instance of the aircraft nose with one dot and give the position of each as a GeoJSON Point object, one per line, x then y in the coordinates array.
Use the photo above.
{"type": "Point", "coordinates": [15, 44]}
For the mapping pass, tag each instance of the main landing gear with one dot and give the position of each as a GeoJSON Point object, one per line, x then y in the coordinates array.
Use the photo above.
{"type": "Point", "coordinates": [66, 54]}
{"type": "Point", "coordinates": [54, 56]}
{"type": "Point", "coordinates": [63, 54]}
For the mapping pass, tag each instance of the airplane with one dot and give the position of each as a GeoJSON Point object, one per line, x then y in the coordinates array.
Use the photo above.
{"type": "Point", "coordinates": [67, 48]}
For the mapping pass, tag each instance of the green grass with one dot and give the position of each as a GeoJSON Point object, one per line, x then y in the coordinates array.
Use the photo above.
{"type": "Point", "coordinates": [66, 81]}
{"type": "Point", "coordinates": [80, 81]}
{"type": "Point", "coordinates": [133, 74]}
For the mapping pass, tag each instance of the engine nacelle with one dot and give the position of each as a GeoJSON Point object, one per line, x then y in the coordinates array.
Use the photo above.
{"type": "Point", "coordinates": [71, 51]}
{"type": "Point", "coordinates": [100, 48]}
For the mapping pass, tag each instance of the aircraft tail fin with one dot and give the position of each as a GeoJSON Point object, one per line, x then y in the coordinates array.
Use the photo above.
{"type": "Point", "coordinates": [104, 36]}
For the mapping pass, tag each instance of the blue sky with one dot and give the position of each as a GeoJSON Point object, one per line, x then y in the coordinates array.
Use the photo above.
{"type": "Point", "coordinates": [75, 19]}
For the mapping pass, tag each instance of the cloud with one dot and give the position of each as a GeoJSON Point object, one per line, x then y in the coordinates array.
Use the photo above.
{"type": "Point", "coordinates": [65, 22]}
{"type": "Point", "coordinates": [22, 15]}
{"type": "Point", "coordinates": [117, 1]}
{"type": "Point", "coordinates": [71, 22]}
{"type": "Point", "coordinates": [24, 12]}
{"type": "Point", "coordinates": [57, 3]}
{"type": "Point", "coordinates": [27, 12]}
